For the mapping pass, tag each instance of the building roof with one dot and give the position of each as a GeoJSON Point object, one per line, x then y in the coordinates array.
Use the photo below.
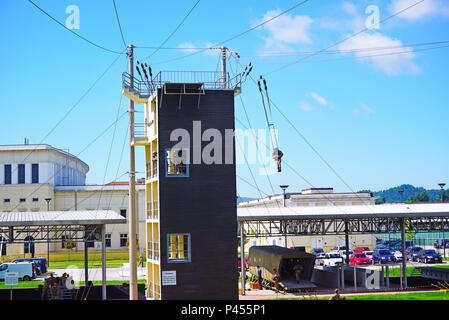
{"type": "Point", "coordinates": [342, 196]}
{"type": "Point", "coordinates": [343, 212]}
{"type": "Point", "coordinates": [54, 218]}
{"type": "Point", "coordinates": [99, 187]}
{"type": "Point", "coordinates": [36, 147]}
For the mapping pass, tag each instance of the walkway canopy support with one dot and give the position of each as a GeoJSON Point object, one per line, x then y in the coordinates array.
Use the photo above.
{"type": "Point", "coordinates": [53, 226]}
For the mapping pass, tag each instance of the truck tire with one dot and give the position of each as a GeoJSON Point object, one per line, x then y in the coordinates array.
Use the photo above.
{"type": "Point", "coordinates": [26, 278]}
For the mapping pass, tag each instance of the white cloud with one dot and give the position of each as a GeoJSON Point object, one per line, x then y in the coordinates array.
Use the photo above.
{"type": "Point", "coordinates": [421, 10]}
{"type": "Point", "coordinates": [305, 107]}
{"type": "Point", "coordinates": [319, 98]}
{"type": "Point", "coordinates": [365, 108]}
{"type": "Point", "coordinates": [188, 47]}
{"type": "Point", "coordinates": [286, 29]}
{"type": "Point", "coordinates": [384, 60]}
{"type": "Point", "coordinates": [350, 8]}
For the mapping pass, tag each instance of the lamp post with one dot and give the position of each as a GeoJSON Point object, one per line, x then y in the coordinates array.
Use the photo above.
{"type": "Point", "coordinates": [283, 187]}
{"type": "Point", "coordinates": [444, 235]}
{"type": "Point", "coordinates": [48, 233]}
{"type": "Point", "coordinates": [400, 194]}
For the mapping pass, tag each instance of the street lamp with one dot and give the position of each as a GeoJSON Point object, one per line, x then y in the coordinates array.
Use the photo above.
{"type": "Point", "coordinates": [283, 187]}
{"type": "Point", "coordinates": [400, 193]}
{"type": "Point", "coordinates": [444, 234]}
{"type": "Point", "coordinates": [48, 233]}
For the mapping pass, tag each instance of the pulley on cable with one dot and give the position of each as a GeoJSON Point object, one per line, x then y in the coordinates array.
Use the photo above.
{"type": "Point", "coordinates": [148, 80]}
{"type": "Point", "coordinates": [277, 153]}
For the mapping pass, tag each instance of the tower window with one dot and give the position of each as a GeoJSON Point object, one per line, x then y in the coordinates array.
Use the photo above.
{"type": "Point", "coordinates": [178, 247]}
{"type": "Point", "coordinates": [177, 162]}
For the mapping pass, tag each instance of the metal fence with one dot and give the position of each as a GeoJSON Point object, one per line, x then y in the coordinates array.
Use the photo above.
{"type": "Point", "coordinates": [209, 79]}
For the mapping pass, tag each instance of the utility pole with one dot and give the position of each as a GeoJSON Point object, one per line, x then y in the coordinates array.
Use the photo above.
{"type": "Point", "coordinates": [48, 233]}
{"type": "Point", "coordinates": [132, 216]}
{"type": "Point", "coordinates": [224, 81]}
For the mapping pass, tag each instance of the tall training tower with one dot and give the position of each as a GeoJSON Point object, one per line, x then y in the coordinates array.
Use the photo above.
{"type": "Point", "coordinates": [191, 226]}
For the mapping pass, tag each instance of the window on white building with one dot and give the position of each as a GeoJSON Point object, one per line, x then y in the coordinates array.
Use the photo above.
{"type": "Point", "coordinates": [8, 175]}
{"type": "Point", "coordinates": [123, 239]}
{"type": "Point", "coordinates": [35, 173]}
{"type": "Point", "coordinates": [21, 174]}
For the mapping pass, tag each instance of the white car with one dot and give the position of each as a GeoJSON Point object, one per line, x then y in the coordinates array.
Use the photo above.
{"type": "Point", "coordinates": [332, 260]}
{"type": "Point", "coordinates": [25, 270]}
{"type": "Point", "coordinates": [398, 255]}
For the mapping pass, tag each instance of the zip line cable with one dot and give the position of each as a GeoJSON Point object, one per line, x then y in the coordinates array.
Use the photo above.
{"type": "Point", "coordinates": [273, 54]}
{"type": "Point", "coordinates": [174, 31]}
{"type": "Point", "coordinates": [291, 168]}
{"type": "Point", "coordinates": [71, 109]}
{"type": "Point", "coordinates": [237, 35]}
{"type": "Point", "coordinates": [366, 56]}
{"type": "Point", "coordinates": [76, 34]}
{"type": "Point", "coordinates": [344, 39]}
{"type": "Point", "coordinates": [119, 25]}
{"type": "Point", "coordinates": [77, 155]}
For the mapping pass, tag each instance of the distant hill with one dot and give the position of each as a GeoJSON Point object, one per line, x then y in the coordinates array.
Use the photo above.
{"type": "Point", "coordinates": [393, 195]}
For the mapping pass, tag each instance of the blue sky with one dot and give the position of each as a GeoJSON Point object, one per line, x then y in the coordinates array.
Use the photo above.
{"type": "Point", "coordinates": [378, 121]}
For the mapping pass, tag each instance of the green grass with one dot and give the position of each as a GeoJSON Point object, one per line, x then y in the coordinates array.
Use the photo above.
{"type": "Point", "coordinates": [35, 284]}
{"type": "Point", "coordinates": [403, 296]}
{"type": "Point", "coordinates": [80, 264]}
{"type": "Point", "coordinates": [393, 296]}
{"type": "Point", "coordinates": [395, 272]}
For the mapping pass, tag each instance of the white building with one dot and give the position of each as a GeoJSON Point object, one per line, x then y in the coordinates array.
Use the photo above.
{"type": "Point", "coordinates": [312, 197]}
{"type": "Point", "coordinates": [41, 177]}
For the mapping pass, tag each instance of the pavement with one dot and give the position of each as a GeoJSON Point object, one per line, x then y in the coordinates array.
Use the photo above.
{"type": "Point", "coordinates": [112, 273]}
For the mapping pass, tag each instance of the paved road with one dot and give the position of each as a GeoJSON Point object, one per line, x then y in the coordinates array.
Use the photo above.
{"type": "Point", "coordinates": [112, 273]}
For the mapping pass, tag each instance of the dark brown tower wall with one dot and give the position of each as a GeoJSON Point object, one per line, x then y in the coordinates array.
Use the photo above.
{"type": "Point", "coordinates": [203, 204]}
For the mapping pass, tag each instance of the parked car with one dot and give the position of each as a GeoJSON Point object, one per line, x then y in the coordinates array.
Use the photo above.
{"type": "Point", "coordinates": [331, 260]}
{"type": "Point", "coordinates": [359, 258]}
{"type": "Point", "coordinates": [412, 253]}
{"type": "Point", "coordinates": [365, 250]}
{"type": "Point", "coordinates": [383, 256]}
{"type": "Point", "coordinates": [25, 270]}
{"type": "Point", "coordinates": [239, 262]}
{"type": "Point", "coordinates": [41, 263]}
{"type": "Point", "coordinates": [397, 254]}
{"type": "Point", "coordinates": [343, 254]}
{"type": "Point", "coordinates": [317, 251]}
{"type": "Point", "coordinates": [441, 243]}
{"type": "Point", "coordinates": [338, 250]}
{"type": "Point", "coordinates": [429, 255]}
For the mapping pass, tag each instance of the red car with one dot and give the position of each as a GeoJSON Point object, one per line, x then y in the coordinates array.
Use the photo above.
{"type": "Point", "coordinates": [239, 261]}
{"type": "Point", "coordinates": [359, 258]}
{"type": "Point", "coordinates": [362, 250]}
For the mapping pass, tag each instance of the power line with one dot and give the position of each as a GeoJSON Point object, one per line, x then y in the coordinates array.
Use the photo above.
{"type": "Point", "coordinates": [76, 34]}
{"type": "Point", "coordinates": [272, 54]}
{"type": "Point", "coordinates": [174, 31]}
{"type": "Point", "coordinates": [77, 155]}
{"type": "Point", "coordinates": [366, 56]}
{"type": "Point", "coordinates": [72, 108]}
{"type": "Point", "coordinates": [343, 40]}
{"type": "Point", "coordinates": [237, 35]}
{"type": "Point", "coordinates": [118, 21]}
